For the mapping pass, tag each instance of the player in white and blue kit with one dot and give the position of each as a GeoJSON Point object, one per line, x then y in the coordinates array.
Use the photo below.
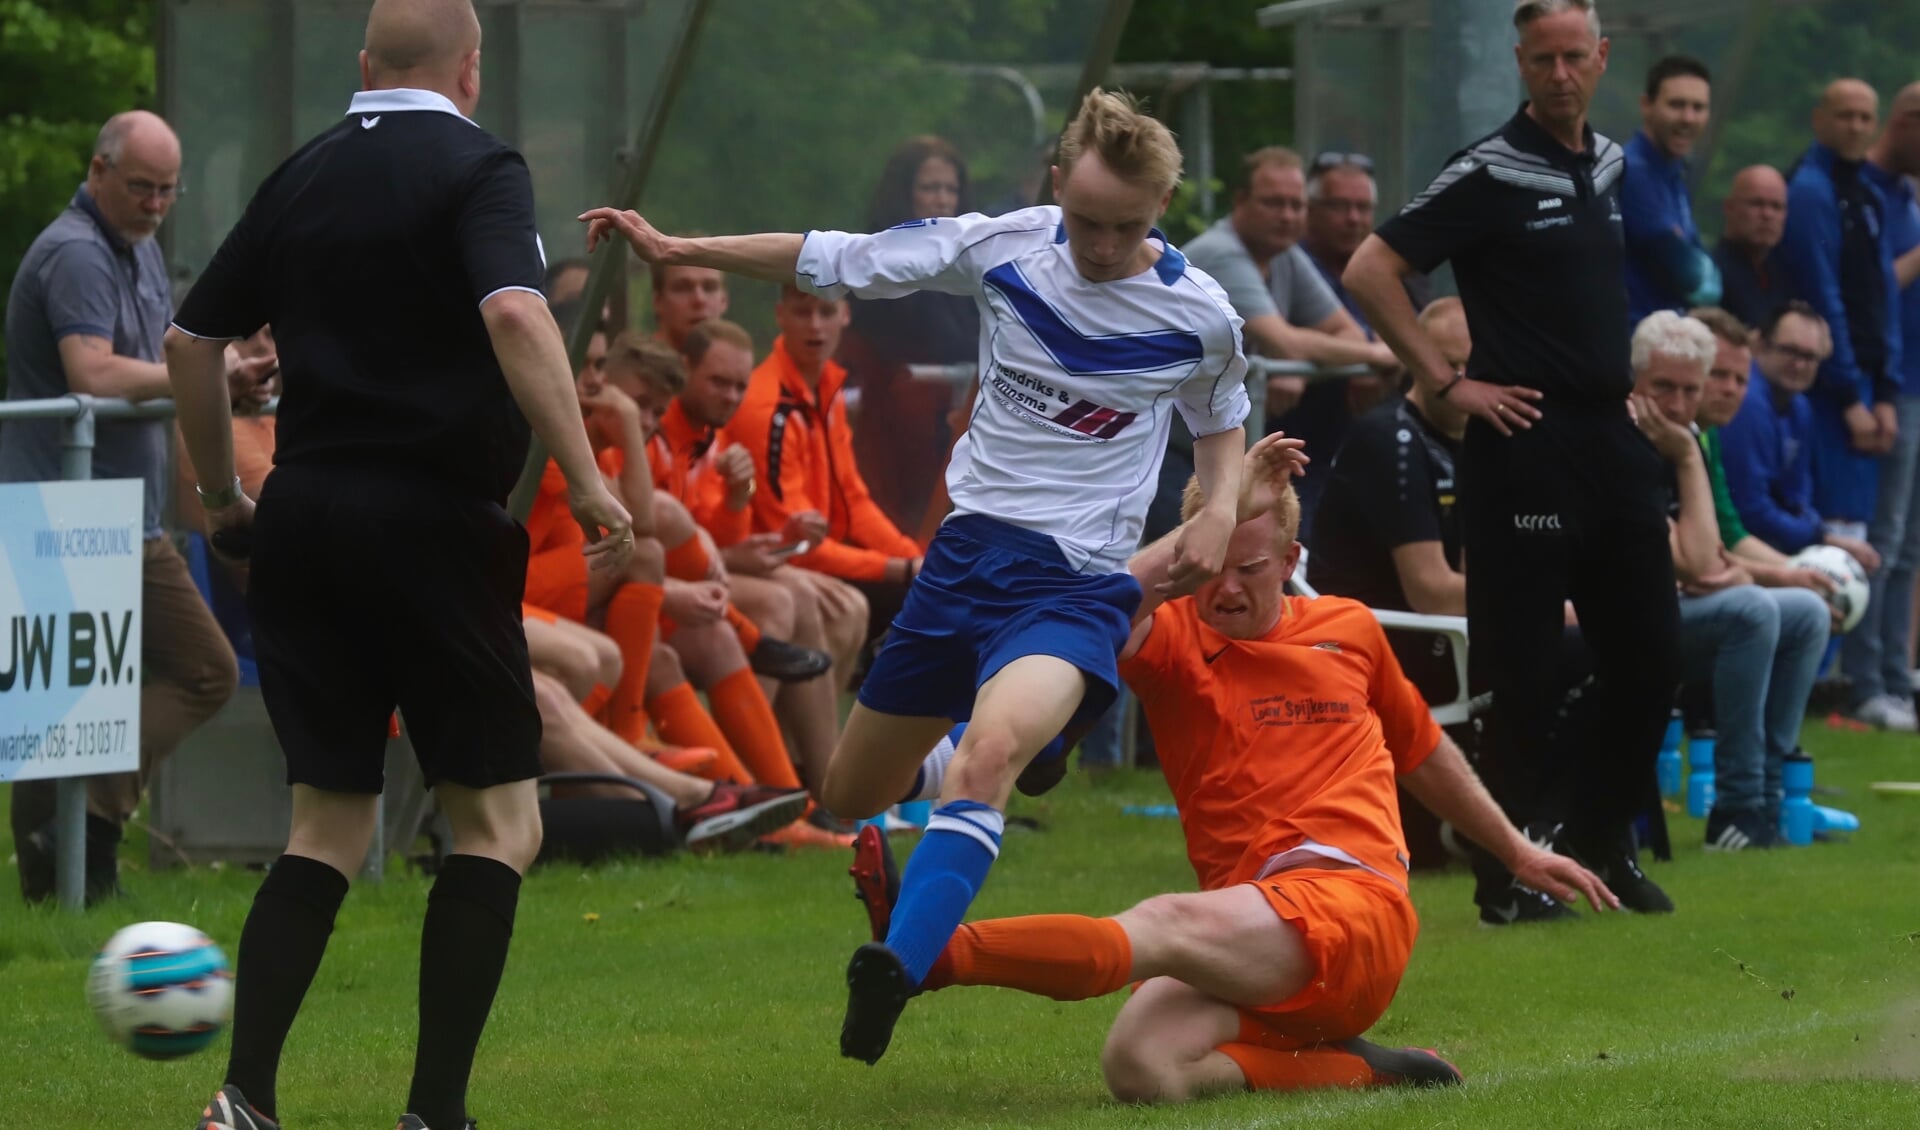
{"type": "Point", "coordinates": [1093, 331]}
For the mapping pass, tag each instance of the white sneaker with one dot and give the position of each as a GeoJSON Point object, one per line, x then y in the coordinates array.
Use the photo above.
{"type": "Point", "coordinates": [1886, 712]}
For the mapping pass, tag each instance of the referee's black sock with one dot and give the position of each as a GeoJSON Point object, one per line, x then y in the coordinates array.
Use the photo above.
{"type": "Point", "coordinates": [463, 951]}
{"type": "Point", "coordinates": [280, 950]}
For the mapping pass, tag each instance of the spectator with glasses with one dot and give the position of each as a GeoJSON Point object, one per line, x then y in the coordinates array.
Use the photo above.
{"type": "Point", "coordinates": [1342, 197]}
{"type": "Point", "coordinates": [1767, 445]}
{"type": "Point", "coordinates": [86, 313]}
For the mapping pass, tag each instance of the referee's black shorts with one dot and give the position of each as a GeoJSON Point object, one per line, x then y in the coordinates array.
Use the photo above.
{"type": "Point", "coordinates": [370, 590]}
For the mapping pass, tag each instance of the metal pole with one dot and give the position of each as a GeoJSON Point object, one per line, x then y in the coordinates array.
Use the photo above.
{"type": "Point", "coordinates": [611, 257]}
{"type": "Point", "coordinates": [70, 793]}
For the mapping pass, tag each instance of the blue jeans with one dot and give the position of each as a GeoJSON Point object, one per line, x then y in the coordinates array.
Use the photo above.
{"type": "Point", "coordinates": [1874, 654]}
{"type": "Point", "coordinates": [1760, 649]}
{"type": "Point", "coordinates": [1100, 748]}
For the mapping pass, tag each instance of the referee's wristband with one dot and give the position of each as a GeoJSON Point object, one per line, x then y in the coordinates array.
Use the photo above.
{"type": "Point", "coordinates": [219, 499]}
{"type": "Point", "coordinates": [1448, 387]}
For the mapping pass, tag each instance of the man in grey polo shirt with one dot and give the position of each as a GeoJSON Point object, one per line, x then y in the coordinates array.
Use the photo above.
{"type": "Point", "coordinates": [1290, 312]}
{"type": "Point", "coordinates": [86, 313]}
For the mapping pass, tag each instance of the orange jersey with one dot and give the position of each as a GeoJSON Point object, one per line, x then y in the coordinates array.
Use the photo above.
{"type": "Point", "coordinates": [1289, 741]}
{"type": "Point", "coordinates": [550, 523]}
{"type": "Point", "coordinates": [803, 452]}
{"type": "Point", "coordinates": [682, 455]}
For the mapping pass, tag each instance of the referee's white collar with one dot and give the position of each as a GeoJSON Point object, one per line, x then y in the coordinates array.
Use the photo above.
{"type": "Point", "coordinates": [403, 98]}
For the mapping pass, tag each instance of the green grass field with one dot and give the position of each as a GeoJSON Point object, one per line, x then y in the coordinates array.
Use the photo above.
{"type": "Point", "coordinates": [706, 993]}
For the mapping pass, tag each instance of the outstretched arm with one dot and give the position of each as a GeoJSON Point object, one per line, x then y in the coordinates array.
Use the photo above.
{"type": "Point", "coordinates": [1446, 784]}
{"type": "Point", "coordinates": [771, 255]}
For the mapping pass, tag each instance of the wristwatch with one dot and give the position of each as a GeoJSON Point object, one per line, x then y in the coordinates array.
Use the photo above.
{"type": "Point", "coordinates": [219, 499]}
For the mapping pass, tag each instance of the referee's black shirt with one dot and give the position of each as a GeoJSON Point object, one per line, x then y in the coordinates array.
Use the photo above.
{"type": "Point", "coordinates": [1534, 234]}
{"type": "Point", "coordinates": [369, 251]}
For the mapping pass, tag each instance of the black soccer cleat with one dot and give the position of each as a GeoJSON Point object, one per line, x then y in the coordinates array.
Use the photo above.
{"type": "Point", "coordinates": [412, 1122]}
{"type": "Point", "coordinates": [1403, 1067]}
{"type": "Point", "coordinates": [878, 989]}
{"type": "Point", "coordinates": [230, 1110]}
{"type": "Point", "coordinates": [1616, 861]}
{"type": "Point", "coordinates": [876, 878]}
{"type": "Point", "coordinates": [788, 662]}
{"type": "Point", "coordinates": [1518, 904]}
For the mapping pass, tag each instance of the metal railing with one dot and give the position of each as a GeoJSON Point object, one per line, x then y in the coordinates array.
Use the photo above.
{"type": "Point", "coordinates": [78, 413]}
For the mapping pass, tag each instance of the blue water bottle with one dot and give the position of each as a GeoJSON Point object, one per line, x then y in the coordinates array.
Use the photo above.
{"type": "Point", "coordinates": [1667, 768]}
{"type": "Point", "coordinates": [1797, 817]}
{"type": "Point", "coordinates": [1700, 776]}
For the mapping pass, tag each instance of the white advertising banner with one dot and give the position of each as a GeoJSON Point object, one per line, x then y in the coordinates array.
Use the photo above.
{"type": "Point", "coordinates": [70, 560]}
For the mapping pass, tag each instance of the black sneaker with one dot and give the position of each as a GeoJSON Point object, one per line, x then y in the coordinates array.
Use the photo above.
{"type": "Point", "coordinates": [788, 662]}
{"type": "Point", "coordinates": [1738, 829]}
{"type": "Point", "coordinates": [1521, 905]}
{"type": "Point", "coordinates": [1403, 1067]}
{"type": "Point", "coordinates": [1616, 861]}
{"type": "Point", "coordinates": [878, 989]}
{"type": "Point", "coordinates": [35, 854]}
{"type": "Point", "coordinates": [230, 1110]}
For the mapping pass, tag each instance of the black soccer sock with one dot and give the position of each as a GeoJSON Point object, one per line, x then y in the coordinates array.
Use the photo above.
{"type": "Point", "coordinates": [280, 950]}
{"type": "Point", "coordinates": [463, 951]}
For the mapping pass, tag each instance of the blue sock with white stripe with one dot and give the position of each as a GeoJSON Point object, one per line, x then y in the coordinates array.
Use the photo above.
{"type": "Point", "coordinates": [944, 874]}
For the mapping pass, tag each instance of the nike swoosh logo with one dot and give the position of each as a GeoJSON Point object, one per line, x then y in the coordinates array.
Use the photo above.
{"type": "Point", "coordinates": [1217, 654]}
{"type": "Point", "coordinates": [369, 123]}
{"type": "Point", "coordinates": [1506, 913]}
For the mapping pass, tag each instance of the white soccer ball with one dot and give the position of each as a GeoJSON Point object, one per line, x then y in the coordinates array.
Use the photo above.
{"type": "Point", "coordinates": [1850, 595]}
{"type": "Point", "coordinates": [161, 990]}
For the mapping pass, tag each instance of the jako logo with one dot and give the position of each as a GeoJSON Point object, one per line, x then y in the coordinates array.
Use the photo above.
{"type": "Point", "coordinates": [1549, 204]}
{"type": "Point", "coordinates": [1536, 522]}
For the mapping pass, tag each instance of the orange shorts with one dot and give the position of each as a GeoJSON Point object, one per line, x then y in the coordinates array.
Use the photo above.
{"type": "Point", "coordinates": [557, 582]}
{"type": "Point", "coordinates": [1359, 929]}
{"type": "Point", "coordinates": [535, 612]}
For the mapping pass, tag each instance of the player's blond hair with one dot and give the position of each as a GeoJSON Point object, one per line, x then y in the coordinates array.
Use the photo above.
{"type": "Point", "coordinates": [1130, 142]}
{"type": "Point", "coordinates": [655, 362]}
{"type": "Point", "coordinates": [1286, 511]}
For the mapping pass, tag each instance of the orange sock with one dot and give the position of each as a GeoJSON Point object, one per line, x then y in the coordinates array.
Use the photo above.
{"type": "Point", "coordinates": [1068, 957]}
{"type": "Point", "coordinates": [633, 618]}
{"type": "Point", "coordinates": [741, 708]}
{"type": "Point", "coordinates": [596, 699]}
{"type": "Point", "coordinates": [688, 561]}
{"type": "Point", "coordinates": [681, 720]}
{"type": "Point", "coordinates": [1317, 1065]}
{"type": "Point", "coordinates": [746, 630]}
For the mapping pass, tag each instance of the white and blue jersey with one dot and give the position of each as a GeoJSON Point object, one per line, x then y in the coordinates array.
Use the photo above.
{"type": "Point", "coordinates": [1050, 484]}
{"type": "Point", "coordinates": [1078, 379]}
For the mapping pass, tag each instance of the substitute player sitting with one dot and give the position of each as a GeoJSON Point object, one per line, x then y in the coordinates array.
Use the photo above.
{"type": "Point", "coordinates": [1093, 329]}
{"type": "Point", "coordinates": [1281, 724]}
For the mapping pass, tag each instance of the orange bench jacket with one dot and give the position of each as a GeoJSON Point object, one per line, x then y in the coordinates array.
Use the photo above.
{"type": "Point", "coordinates": [681, 454]}
{"type": "Point", "coordinates": [803, 453]}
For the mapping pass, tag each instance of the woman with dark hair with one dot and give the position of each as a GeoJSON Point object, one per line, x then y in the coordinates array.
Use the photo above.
{"type": "Point", "coordinates": [902, 436]}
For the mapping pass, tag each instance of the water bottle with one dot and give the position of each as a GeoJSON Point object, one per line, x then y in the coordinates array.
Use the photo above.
{"type": "Point", "coordinates": [915, 812]}
{"type": "Point", "coordinates": [1700, 776]}
{"type": "Point", "coordinates": [1833, 821]}
{"type": "Point", "coordinates": [1667, 768]}
{"type": "Point", "coordinates": [1797, 817]}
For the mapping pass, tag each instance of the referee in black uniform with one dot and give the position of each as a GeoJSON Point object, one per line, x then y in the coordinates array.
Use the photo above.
{"type": "Point", "coordinates": [396, 259]}
{"type": "Point", "coordinates": [1559, 491]}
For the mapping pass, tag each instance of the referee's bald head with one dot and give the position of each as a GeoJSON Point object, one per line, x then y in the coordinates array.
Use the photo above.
{"type": "Point", "coordinates": [429, 44]}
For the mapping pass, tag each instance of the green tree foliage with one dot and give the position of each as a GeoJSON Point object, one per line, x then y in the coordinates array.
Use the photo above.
{"type": "Point", "coordinates": [1245, 115]}
{"type": "Point", "coordinates": [64, 69]}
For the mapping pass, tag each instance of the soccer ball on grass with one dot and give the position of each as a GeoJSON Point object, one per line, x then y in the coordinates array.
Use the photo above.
{"type": "Point", "coordinates": [161, 990]}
